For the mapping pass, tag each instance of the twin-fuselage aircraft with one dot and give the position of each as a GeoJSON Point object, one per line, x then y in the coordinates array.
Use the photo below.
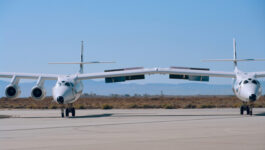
{"type": "Point", "coordinates": [69, 88]}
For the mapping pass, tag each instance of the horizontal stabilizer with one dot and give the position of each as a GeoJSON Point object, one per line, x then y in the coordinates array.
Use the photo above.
{"type": "Point", "coordinates": [233, 60]}
{"type": "Point", "coordinates": [78, 63]}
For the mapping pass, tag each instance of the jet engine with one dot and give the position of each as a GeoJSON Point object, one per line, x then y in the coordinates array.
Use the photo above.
{"type": "Point", "coordinates": [12, 91]}
{"type": "Point", "coordinates": [38, 93]}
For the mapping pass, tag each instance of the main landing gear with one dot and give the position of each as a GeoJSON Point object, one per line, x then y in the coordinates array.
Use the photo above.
{"type": "Point", "coordinates": [69, 109]}
{"type": "Point", "coordinates": [246, 107]}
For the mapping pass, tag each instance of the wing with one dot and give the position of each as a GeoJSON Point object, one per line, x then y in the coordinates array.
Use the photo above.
{"type": "Point", "coordinates": [119, 75]}
{"type": "Point", "coordinates": [29, 76]}
{"type": "Point", "coordinates": [259, 74]}
{"type": "Point", "coordinates": [194, 74]}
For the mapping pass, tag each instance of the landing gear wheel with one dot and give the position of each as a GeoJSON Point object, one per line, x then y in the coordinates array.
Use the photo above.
{"type": "Point", "coordinates": [73, 112]}
{"type": "Point", "coordinates": [242, 110]}
{"type": "Point", "coordinates": [67, 112]}
{"type": "Point", "coordinates": [248, 110]}
{"type": "Point", "coordinates": [62, 111]}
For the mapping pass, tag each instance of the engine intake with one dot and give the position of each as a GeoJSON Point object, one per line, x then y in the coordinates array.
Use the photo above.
{"type": "Point", "coordinates": [38, 93]}
{"type": "Point", "coordinates": [12, 91]}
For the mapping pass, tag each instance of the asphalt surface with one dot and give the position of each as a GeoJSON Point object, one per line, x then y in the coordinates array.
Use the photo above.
{"type": "Point", "coordinates": [156, 129]}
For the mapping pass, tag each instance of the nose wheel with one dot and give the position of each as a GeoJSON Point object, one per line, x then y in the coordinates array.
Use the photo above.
{"type": "Point", "coordinates": [70, 109]}
{"type": "Point", "coordinates": [246, 107]}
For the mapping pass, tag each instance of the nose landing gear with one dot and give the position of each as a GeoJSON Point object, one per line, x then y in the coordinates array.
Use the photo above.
{"type": "Point", "coordinates": [246, 107]}
{"type": "Point", "coordinates": [70, 109]}
{"type": "Point", "coordinates": [62, 111]}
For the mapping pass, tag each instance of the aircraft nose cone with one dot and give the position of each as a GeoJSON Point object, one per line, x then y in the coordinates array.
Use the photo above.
{"type": "Point", "coordinates": [253, 97]}
{"type": "Point", "coordinates": [60, 99]}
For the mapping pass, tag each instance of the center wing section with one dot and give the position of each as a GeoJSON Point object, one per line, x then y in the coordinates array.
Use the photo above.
{"type": "Point", "coordinates": [119, 75]}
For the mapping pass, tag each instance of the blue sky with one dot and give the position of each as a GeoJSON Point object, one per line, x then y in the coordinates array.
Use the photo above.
{"type": "Point", "coordinates": [148, 33]}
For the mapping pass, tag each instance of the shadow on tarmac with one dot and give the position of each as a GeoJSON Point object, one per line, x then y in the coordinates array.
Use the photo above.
{"type": "Point", "coordinates": [47, 117]}
{"type": "Point", "coordinates": [4, 116]}
{"type": "Point", "coordinates": [206, 115]}
{"type": "Point", "coordinates": [260, 114]}
{"type": "Point", "coordinates": [93, 116]}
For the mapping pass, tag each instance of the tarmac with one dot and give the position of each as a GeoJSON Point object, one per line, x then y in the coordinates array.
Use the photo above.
{"type": "Point", "coordinates": [136, 129]}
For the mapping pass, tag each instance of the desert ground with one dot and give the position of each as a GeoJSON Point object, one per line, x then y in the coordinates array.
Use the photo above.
{"type": "Point", "coordinates": [133, 102]}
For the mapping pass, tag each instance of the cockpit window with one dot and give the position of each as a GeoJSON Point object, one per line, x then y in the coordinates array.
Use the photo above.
{"type": "Point", "coordinates": [240, 82]}
{"type": "Point", "coordinates": [67, 84]}
{"type": "Point", "coordinates": [255, 82]}
{"type": "Point", "coordinates": [64, 83]}
{"type": "Point", "coordinates": [246, 81]}
{"type": "Point", "coordinates": [249, 79]}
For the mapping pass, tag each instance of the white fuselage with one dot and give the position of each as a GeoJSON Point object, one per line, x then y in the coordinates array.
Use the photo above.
{"type": "Point", "coordinates": [67, 90]}
{"type": "Point", "coordinates": [246, 87]}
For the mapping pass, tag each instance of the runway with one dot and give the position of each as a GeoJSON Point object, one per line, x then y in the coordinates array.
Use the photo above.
{"type": "Point", "coordinates": [136, 129]}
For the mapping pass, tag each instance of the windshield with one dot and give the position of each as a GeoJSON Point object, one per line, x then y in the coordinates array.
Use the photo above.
{"type": "Point", "coordinates": [67, 84]}
{"type": "Point", "coordinates": [64, 83]}
{"type": "Point", "coordinates": [255, 82]}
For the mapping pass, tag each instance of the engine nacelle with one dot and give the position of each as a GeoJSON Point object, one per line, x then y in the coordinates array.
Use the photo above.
{"type": "Point", "coordinates": [12, 91]}
{"type": "Point", "coordinates": [38, 93]}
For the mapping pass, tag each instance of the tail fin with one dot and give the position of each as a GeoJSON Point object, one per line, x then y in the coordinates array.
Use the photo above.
{"type": "Point", "coordinates": [81, 63]}
{"type": "Point", "coordinates": [82, 58]}
{"type": "Point", "coordinates": [235, 60]}
{"type": "Point", "coordinates": [235, 56]}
